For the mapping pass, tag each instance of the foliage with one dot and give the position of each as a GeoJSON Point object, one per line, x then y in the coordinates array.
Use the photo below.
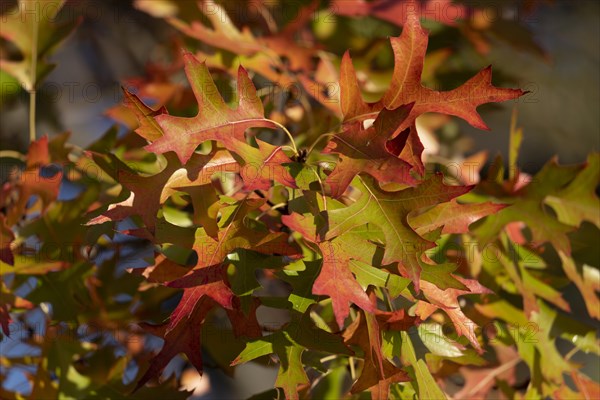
{"type": "Point", "coordinates": [393, 277]}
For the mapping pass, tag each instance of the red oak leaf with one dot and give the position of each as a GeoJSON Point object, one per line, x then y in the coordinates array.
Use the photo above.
{"type": "Point", "coordinates": [200, 170]}
{"type": "Point", "coordinates": [244, 324]}
{"type": "Point", "coordinates": [215, 119]}
{"type": "Point", "coordinates": [205, 282]}
{"type": "Point", "coordinates": [263, 165]}
{"type": "Point", "coordinates": [335, 278]}
{"type": "Point", "coordinates": [377, 373]}
{"type": "Point", "coordinates": [148, 127]}
{"type": "Point", "coordinates": [185, 338]}
{"type": "Point", "coordinates": [235, 234]}
{"type": "Point", "coordinates": [144, 200]}
{"type": "Point", "coordinates": [164, 270]}
{"type": "Point", "coordinates": [336, 281]}
{"type": "Point", "coordinates": [588, 387]}
{"type": "Point", "coordinates": [398, 320]}
{"type": "Point", "coordinates": [408, 147]}
{"type": "Point", "coordinates": [204, 290]}
{"type": "Point", "coordinates": [148, 193]}
{"type": "Point", "coordinates": [477, 380]}
{"type": "Point", "coordinates": [363, 149]}
{"type": "Point", "coordinates": [454, 217]}
{"type": "Point", "coordinates": [195, 179]}
{"type": "Point", "coordinates": [31, 182]}
{"type": "Point", "coordinates": [207, 277]}
{"type": "Point", "coordinates": [222, 34]}
{"type": "Point", "coordinates": [447, 300]}
{"type": "Point", "coordinates": [405, 88]}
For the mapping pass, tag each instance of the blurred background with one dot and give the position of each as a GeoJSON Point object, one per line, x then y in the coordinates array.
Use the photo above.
{"type": "Point", "coordinates": [550, 48]}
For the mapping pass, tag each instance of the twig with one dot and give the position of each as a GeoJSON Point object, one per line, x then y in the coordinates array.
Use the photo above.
{"type": "Point", "coordinates": [33, 79]}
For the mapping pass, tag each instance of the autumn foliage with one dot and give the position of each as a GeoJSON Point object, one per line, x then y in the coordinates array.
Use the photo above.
{"type": "Point", "coordinates": [392, 275]}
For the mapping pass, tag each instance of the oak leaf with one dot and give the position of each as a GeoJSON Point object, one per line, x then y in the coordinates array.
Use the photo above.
{"type": "Point", "coordinates": [377, 373]}
{"type": "Point", "coordinates": [453, 216]}
{"type": "Point", "coordinates": [409, 53]}
{"type": "Point", "coordinates": [389, 212]}
{"type": "Point", "coordinates": [289, 344]}
{"type": "Point", "coordinates": [32, 181]}
{"type": "Point", "coordinates": [364, 149]}
{"type": "Point", "coordinates": [185, 338]}
{"type": "Point", "coordinates": [215, 119]}
{"type": "Point", "coordinates": [335, 277]}
{"type": "Point", "coordinates": [447, 300]}
{"type": "Point", "coordinates": [18, 26]}
{"type": "Point", "coordinates": [208, 276]}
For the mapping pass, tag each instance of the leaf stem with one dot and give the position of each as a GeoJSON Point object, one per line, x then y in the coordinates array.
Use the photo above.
{"type": "Point", "coordinates": [287, 147]}
{"type": "Point", "coordinates": [388, 299]}
{"type": "Point", "coordinates": [271, 204]}
{"type": "Point", "coordinates": [322, 186]}
{"type": "Point", "coordinates": [352, 369]}
{"type": "Point", "coordinates": [328, 358]}
{"type": "Point", "coordinates": [273, 207]}
{"type": "Point", "coordinates": [312, 146]}
{"type": "Point", "coordinates": [13, 154]}
{"type": "Point", "coordinates": [283, 128]}
{"type": "Point", "coordinates": [571, 353]}
{"type": "Point", "coordinates": [33, 79]}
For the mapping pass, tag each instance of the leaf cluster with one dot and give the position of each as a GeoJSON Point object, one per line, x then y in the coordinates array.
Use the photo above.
{"type": "Point", "coordinates": [357, 268]}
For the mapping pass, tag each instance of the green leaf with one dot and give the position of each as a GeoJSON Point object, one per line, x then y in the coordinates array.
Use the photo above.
{"type": "Point", "coordinates": [426, 386]}
{"type": "Point", "coordinates": [527, 205]}
{"type": "Point", "coordinates": [255, 349]}
{"type": "Point", "coordinates": [66, 291]}
{"type": "Point", "coordinates": [368, 275]}
{"type": "Point", "coordinates": [389, 211]}
{"type": "Point", "coordinates": [289, 344]}
{"type": "Point", "coordinates": [515, 139]}
{"type": "Point", "coordinates": [32, 27]}
{"type": "Point", "coordinates": [432, 336]}
{"type": "Point", "coordinates": [291, 372]}
{"type": "Point", "coordinates": [578, 201]}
